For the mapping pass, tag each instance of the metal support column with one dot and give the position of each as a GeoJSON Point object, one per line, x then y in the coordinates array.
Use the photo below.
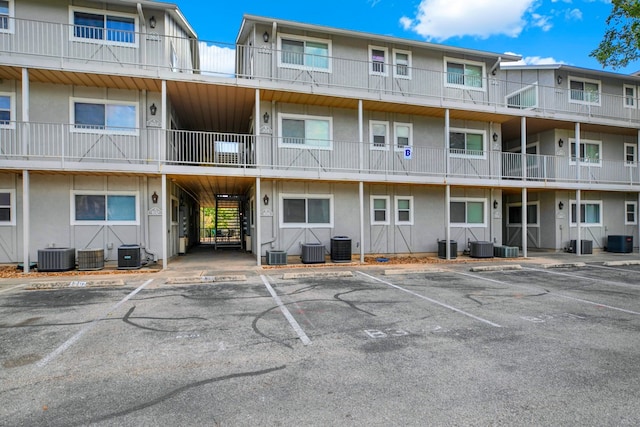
{"type": "Point", "coordinates": [578, 195]}
{"type": "Point", "coordinates": [447, 221]}
{"type": "Point", "coordinates": [361, 197]}
{"type": "Point", "coordinates": [26, 226]}
{"type": "Point", "coordinates": [258, 236]}
{"type": "Point", "coordinates": [165, 226]}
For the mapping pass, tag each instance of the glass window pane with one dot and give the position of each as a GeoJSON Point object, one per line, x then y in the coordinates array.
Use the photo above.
{"type": "Point", "coordinates": [380, 204]}
{"type": "Point", "coordinates": [532, 214]}
{"type": "Point", "coordinates": [404, 216]}
{"type": "Point", "coordinates": [317, 133]}
{"type": "Point", "coordinates": [404, 204]}
{"type": "Point", "coordinates": [5, 199]}
{"type": "Point", "coordinates": [4, 7]}
{"type": "Point", "coordinates": [90, 207]}
{"type": "Point", "coordinates": [121, 117]}
{"type": "Point", "coordinates": [88, 25]}
{"type": "Point", "coordinates": [455, 73]}
{"type": "Point", "coordinates": [475, 212]}
{"type": "Point", "coordinates": [474, 143]}
{"type": "Point", "coordinates": [5, 117]}
{"type": "Point", "coordinates": [5, 102]}
{"type": "Point", "coordinates": [293, 131]}
{"type": "Point", "coordinates": [380, 216]}
{"type": "Point", "coordinates": [319, 211]}
{"type": "Point", "coordinates": [90, 116]}
{"type": "Point", "coordinates": [473, 75]}
{"type": "Point", "coordinates": [515, 214]}
{"type": "Point", "coordinates": [317, 55]}
{"type": "Point", "coordinates": [457, 212]}
{"type": "Point", "coordinates": [120, 29]}
{"type": "Point", "coordinates": [592, 213]}
{"type": "Point", "coordinates": [592, 151]}
{"type": "Point", "coordinates": [121, 208]}
{"type": "Point", "coordinates": [456, 142]}
{"type": "Point", "coordinates": [5, 214]}
{"type": "Point", "coordinates": [294, 211]}
{"type": "Point", "coordinates": [292, 52]}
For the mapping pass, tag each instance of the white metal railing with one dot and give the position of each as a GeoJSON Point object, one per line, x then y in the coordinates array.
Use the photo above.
{"type": "Point", "coordinates": [69, 45]}
{"type": "Point", "coordinates": [66, 143]}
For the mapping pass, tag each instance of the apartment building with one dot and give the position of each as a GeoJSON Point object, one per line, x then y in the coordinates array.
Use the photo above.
{"type": "Point", "coordinates": [119, 126]}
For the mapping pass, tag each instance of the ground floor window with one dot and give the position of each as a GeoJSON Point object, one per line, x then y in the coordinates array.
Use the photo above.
{"type": "Point", "coordinates": [7, 207]}
{"type": "Point", "coordinates": [380, 210]}
{"type": "Point", "coordinates": [306, 210]}
{"type": "Point", "coordinates": [590, 213]}
{"type": "Point", "coordinates": [101, 208]}
{"type": "Point", "coordinates": [404, 210]}
{"type": "Point", "coordinates": [630, 209]}
{"type": "Point", "coordinates": [467, 212]}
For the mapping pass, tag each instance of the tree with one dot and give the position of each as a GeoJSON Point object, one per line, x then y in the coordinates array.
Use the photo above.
{"type": "Point", "coordinates": [621, 42]}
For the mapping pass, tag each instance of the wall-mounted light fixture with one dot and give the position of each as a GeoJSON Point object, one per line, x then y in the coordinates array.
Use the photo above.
{"type": "Point", "coordinates": [560, 205]}
{"type": "Point", "coordinates": [265, 37]}
{"type": "Point", "coordinates": [154, 197]}
{"type": "Point", "coordinates": [265, 117]}
{"type": "Point", "coordinates": [265, 199]}
{"type": "Point", "coordinates": [495, 137]}
{"type": "Point", "coordinates": [560, 143]}
{"type": "Point", "coordinates": [152, 22]}
{"type": "Point", "coordinates": [559, 80]}
{"type": "Point", "coordinates": [153, 109]}
{"type": "Point", "coordinates": [495, 204]}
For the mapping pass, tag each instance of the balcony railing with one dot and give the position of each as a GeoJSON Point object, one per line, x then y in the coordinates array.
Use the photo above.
{"type": "Point", "coordinates": [127, 150]}
{"type": "Point", "coordinates": [69, 46]}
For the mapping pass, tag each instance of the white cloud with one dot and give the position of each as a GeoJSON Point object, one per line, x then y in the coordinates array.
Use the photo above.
{"type": "Point", "coordinates": [439, 20]}
{"type": "Point", "coordinates": [531, 60]}
{"type": "Point", "coordinates": [574, 14]}
{"type": "Point", "coordinates": [540, 21]}
{"type": "Point", "coordinates": [216, 60]}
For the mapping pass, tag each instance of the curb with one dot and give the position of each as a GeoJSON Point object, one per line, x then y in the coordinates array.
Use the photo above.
{"type": "Point", "coordinates": [496, 268]}
{"type": "Point", "coordinates": [74, 284]}
{"type": "Point", "coordinates": [564, 265]}
{"type": "Point", "coordinates": [287, 276]}
{"type": "Point", "coordinates": [205, 279]}
{"type": "Point", "coordinates": [397, 272]}
{"type": "Point", "coordinates": [616, 263]}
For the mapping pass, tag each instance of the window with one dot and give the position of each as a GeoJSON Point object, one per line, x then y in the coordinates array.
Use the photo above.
{"type": "Point", "coordinates": [514, 213]}
{"type": "Point", "coordinates": [111, 27]}
{"type": "Point", "coordinates": [630, 154]}
{"type": "Point", "coordinates": [305, 52]}
{"type": "Point", "coordinates": [378, 60]}
{"type": "Point", "coordinates": [464, 142]}
{"type": "Point", "coordinates": [584, 91]}
{"type": "Point", "coordinates": [629, 96]}
{"type": "Point", "coordinates": [590, 212]}
{"type": "Point", "coordinates": [7, 207]}
{"type": "Point", "coordinates": [380, 210]}
{"type": "Point", "coordinates": [108, 116]}
{"type": "Point", "coordinates": [404, 210]}
{"type": "Point", "coordinates": [378, 134]}
{"type": "Point", "coordinates": [306, 210]}
{"type": "Point", "coordinates": [100, 208]}
{"type": "Point", "coordinates": [467, 212]}
{"type": "Point", "coordinates": [6, 15]}
{"type": "Point", "coordinates": [630, 216]}
{"type": "Point", "coordinates": [7, 108]}
{"type": "Point", "coordinates": [464, 73]}
{"type": "Point", "coordinates": [401, 64]}
{"type": "Point", "coordinates": [589, 151]}
{"type": "Point", "coordinates": [305, 131]}
{"type": "Point", "coordinates": [403, 133]}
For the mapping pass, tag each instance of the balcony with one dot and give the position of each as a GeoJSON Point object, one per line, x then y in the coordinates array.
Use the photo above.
{"type": "Point", "coordinates": [64, 147]}
{"type": "Point", "coordinates": [62, 46]}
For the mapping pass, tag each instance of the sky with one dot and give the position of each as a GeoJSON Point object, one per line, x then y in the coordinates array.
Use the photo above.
{"type": "Point", "coordinates": [540, 31]}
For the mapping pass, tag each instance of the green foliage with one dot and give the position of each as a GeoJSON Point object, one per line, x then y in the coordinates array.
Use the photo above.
{"type": "Point", "coordinates": [620, 44]}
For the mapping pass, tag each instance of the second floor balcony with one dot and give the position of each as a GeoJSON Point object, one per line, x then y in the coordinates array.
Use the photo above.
{"type": "Point", "coordinates": [65, 147]}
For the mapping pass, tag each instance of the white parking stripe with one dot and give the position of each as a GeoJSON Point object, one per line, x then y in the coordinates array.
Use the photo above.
{"type": "Point", "coordinates": [593, 279]}
{"type": "Point", "coordinates": [457, 310]}
{"type": "Point", "coordinates": [624, 310]}
{"type": "Point", "coordinates": [13, 287]}
{"type": "Point", "coordinates": [292, 321]}
{"type": "Point", "coordinates": [58, 351]}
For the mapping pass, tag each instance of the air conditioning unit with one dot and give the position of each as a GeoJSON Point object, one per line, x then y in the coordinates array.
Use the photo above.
{"type": "Point", "coordinates": [312, 253]}
{"type": "Point", "coordinates": [620, 244]}
{"type": "Point", "coordinates": [90, 259]}
{"type": "Point", "coordinates": [56, 259]}
{"type": "Point", "coordinates": [340, 249]}
{"type": "Point", "coordinates": [586, 247]}
{"type": "Point", "coordinates": [276, 257]}
{"type": "Point", "coordinates": [129, 257]}
{"type": "Point", "coordinates": [506, 251]}
{"type": "Point", "coordinates": [481, 250]}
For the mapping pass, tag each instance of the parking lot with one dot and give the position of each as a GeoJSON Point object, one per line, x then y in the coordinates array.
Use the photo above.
{"type": "Point", "coordinates": [441, 345]}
